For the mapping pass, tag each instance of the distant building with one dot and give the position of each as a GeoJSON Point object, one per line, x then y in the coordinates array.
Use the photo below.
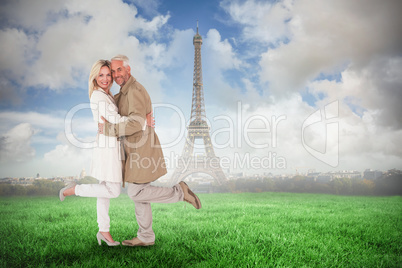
{"type": "Point", "coordinates": [83, 174]}
{"type": "Point", "coordinates": [329, 176]}
{"type": "Point", "coordinates": [323, 177]}
{"type": "Point", "coordinates": [370, 174]}
{"type": "Point", "coordinates": [268, 175]}
{"type": "Point", "coordinates": [346, 174]}
{"type": "Point", "coordinates": [237, 175]}
{"type": "Point", "coordinates": [313, 174]}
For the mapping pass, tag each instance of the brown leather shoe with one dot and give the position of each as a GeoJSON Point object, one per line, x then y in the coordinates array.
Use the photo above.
{"type": "Point", "coordinates": [189, 196]}
{"type": "Point", "coordinates": [135, 242]}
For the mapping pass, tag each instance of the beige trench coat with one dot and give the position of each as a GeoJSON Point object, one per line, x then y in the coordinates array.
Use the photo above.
{"type": "Point", "coordinates": [144, 161]}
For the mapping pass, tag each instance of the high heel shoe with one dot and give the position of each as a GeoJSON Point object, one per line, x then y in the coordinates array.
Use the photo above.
{"type": "Point", "coordinates": [100, 237]}
{"type": "Point", "coordinates": [61, 193]}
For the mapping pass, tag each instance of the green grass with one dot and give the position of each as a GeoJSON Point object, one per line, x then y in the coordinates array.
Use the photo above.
{"type": "Point", "coordinates": [231, 230]}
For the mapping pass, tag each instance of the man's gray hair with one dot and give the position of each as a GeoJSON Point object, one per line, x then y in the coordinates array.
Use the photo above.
{"type": "Point", "coordinates": [122, 58]}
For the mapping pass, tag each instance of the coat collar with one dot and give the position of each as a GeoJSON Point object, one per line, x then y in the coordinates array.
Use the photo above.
{"type": "Point", "coordinates": [104, 92]}
{"type": "Point", "coordinates": [110, 96]}
{"type": "Point", "coordinates": [127, 85]}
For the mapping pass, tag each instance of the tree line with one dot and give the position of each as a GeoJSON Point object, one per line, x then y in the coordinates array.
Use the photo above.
{"type": "Point", "coordinates": [389, 183]}
{"type": "Point", "coordinates": [40, 187]}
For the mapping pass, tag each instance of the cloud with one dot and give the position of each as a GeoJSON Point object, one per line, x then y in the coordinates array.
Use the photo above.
{"type": "Point", "coordinates": [15, 144]}
{"type": "Point", "coordinates": [9, 92]}
{"type": "Point", "coordinates": [290, 59]}
{"type": "Point", "coordinates": [46, 127]}
{"type": "Point", "coordinates": [220, 64]}
{"type": "Point", "coordinates": [39, 120]}
{"type": "Point", "coordinates": [66, 158]}
{"type": "Point", "coordinates": [333, 51]}
{"type": "Point", "coordinates": [322, 40]}
{"type": "Point", "coordinates": [19, 13]}
{"type": "Point", "coordinates": [373, 89]}
{"type": "Point", "coordinates": [261, 22]}
{"type": "Point", "coordinates": [51, 45]}
{"type": "Point", "coordinates": [17, 52]}
{"type": "Point", "coordinates": [220, 52]}
{"type": "Point", "coordinates": [20, 132]}
{"type": "Point", "coordinates": [149, 7]}
{"type": "Point", "coordinates": [49, 50]}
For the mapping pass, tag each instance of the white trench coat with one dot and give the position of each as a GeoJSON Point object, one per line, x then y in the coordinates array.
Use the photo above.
{"type": "Point", "coordinates": [106, 162]}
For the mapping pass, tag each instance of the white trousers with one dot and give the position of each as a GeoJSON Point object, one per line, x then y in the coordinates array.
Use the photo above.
{"type": "Point", "coordinates": [145, 194]}
{"type": "Point", "coordinates": [103, 191]}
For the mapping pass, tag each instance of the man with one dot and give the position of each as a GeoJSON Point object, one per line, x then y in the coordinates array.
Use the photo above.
{"type": "Point", "coordinates": [144, 160]}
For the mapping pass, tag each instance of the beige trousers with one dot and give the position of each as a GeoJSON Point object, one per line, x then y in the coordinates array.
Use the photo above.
{"type": "Point", "coordinates": [145, 194]}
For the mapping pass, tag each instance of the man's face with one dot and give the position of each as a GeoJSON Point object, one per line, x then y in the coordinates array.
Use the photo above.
{"type": "Point", "coordinates": [120, 73]}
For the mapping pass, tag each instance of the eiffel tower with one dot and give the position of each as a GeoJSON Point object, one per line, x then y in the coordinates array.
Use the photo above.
{"type": "Point", "coordinates": [198, 128]}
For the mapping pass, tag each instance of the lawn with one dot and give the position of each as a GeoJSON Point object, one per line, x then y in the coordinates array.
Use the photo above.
{"type": "Point", "coordinates": [231, 230]}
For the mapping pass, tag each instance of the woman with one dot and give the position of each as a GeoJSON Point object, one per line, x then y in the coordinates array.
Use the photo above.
{"type": "Point", "coordinates": [106, 161]}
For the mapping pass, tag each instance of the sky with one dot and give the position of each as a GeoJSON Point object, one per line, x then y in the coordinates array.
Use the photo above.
{"type": "Point", "coordinates": [289, 86]}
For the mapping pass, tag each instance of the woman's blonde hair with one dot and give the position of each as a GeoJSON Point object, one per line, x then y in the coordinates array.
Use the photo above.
{"type": "Point", "coordinates": [92, 84]}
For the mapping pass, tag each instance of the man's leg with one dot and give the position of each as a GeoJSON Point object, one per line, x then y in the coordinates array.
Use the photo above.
{"type": "Point", "coordinates": [179, 192]}
{"type": "Point", "coordinates": [143, 214]}
{"type": "Point", "coordinates": [148, 193]}
{"type": "Point", "coordinates": [143, 195]}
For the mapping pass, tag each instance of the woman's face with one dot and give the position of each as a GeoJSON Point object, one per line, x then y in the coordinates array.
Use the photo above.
{"type": "Point", "coordinates": [104, 78]}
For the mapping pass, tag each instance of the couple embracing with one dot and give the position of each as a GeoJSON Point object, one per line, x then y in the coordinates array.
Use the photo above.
{"type": "Point", "coordinates": [125, 135]}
